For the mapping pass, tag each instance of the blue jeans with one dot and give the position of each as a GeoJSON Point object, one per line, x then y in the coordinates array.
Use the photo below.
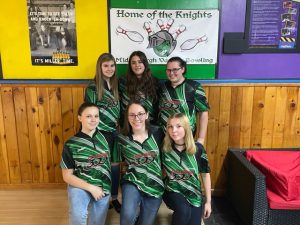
{"type": "Point", "coordinates": [184, 213]}
{"type": "Point", "coordinates": [82, 205]}
{"type": "Point", "coordinates": [132, 198]}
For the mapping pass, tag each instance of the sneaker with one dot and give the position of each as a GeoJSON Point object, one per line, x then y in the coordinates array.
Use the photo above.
{"type": "Point", "coordinates": [117, 205]}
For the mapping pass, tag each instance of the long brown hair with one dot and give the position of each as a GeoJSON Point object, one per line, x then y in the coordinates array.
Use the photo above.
{"type": "Point", "coordinates": [99, 80]}
{"type": "Point", "coordinates": [188, 138]}
{"type": "Point", "coordinates": [146, 84]}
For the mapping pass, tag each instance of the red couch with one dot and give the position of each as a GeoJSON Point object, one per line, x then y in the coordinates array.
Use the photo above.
{"type": "Point", "coordinates": [264, 185]}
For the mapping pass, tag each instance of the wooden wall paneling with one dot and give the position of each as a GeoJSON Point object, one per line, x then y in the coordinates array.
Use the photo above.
{"type": "Point", "coordinates": [246, 117]}
{"type": "Point", "coordinates": [45, 129]}
{"type": "Point", "coordinates": [279, 118]}
{"type": "Point", "coordinates": [268, 119]}
{"type": "Point", "coordinates": [290, 117]}
{"type": "Point", "coordinates": [257, 116]}
{"type": "Point", "coordinates": [235, 116]}
{"type": "Point", "coordinates": [223, 137]}
{"type": "Point", "coordinates": [67, 113]}
{"type": "Point", "coordinates": [213, 126]}
{"type": "Point", "coordinates": [56, 130]}
{"type": "Point", "coordinates": [4, 168]}
{"type": "Point", "coordinates": [22, 134]}
{"type": "Point", "coordinates": [34, 134]}
{"type": "Point", "coordinates": [206, 90]}
{"type": "Point", "coordinates": [297, 125]}
{"type": "Point", "coordinates": [11, 135]}
{"type": "Point", "coordinates": [78, 97]}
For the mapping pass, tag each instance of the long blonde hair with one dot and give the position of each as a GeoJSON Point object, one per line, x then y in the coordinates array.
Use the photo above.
{"type": "Point", "coordinates": [99, 80]}
{"type": "Point", "coordinates": [188, 138]}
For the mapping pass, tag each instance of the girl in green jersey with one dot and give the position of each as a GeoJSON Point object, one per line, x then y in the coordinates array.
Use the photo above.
{"type": "Point", "coordinates": [103, 92]}
{"type": "Point", "coordinates": [183, 161]}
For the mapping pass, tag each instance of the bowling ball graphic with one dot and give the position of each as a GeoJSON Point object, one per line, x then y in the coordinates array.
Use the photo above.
{"type": "Point", "coordinates": [162, 43]}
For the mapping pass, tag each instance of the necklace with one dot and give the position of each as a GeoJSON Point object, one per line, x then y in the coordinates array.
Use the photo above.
{"type": "Point", "coordinates": [179, 144]}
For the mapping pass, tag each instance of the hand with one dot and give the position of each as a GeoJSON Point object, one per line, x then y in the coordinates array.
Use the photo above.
{"type": "Point", "coordinates": [207, 210]}
{"type": "Point", "coordinates": [96, 192]}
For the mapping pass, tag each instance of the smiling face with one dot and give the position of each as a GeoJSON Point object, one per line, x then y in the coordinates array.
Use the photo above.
{"type": "Point", "coordinates": [89, 119]}
{"type": "Point", "coordinates": [175, 73]}
{"type": "Point", "coordinates": [137, 66]}
{"type": "Point", "coordinates": [176, 130]}
{"type": "Point", "coordinates": [108, 69]}
{"type": "Point", "coordinates": [137, 117]}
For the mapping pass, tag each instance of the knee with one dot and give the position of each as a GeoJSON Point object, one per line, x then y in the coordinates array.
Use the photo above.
{"type": "Point", "coordinates": [78, 216]}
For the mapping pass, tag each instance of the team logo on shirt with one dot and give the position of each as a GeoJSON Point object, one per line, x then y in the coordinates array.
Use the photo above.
{"type": "Point", "coordinates": [180, 175]}
{"type": "Point", "coordinates": [97, 160]}
{"type": "Point", "coordinates": [170, 104]}
{"type": "Point", "coordinates": [144, 158]}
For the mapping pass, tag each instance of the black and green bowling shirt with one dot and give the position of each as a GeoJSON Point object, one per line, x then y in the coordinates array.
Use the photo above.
{"type": "Point", "coordinates": [188, 98]}
{"type": "Point", "coordinates": [109, 108]}
{"type": "Point", "coordinates": [143, 160]}
{"type": "Point", "coordinates": [89, 157]}
{"type": "Point", "coordinates": [183, 172]}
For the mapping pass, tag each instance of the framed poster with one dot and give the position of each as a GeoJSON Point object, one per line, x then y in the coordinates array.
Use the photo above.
{"type": "Point", "coordinates": [272, 26]}
{"type": "Point", "coordinates": [52, 32]}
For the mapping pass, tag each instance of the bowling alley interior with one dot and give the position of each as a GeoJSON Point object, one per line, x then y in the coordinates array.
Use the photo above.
{"type": "Point", "coordinates": [242, 55]}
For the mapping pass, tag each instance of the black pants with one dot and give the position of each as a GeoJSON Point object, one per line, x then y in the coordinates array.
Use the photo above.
{"type": "Point", "coordinates": [184, 213]}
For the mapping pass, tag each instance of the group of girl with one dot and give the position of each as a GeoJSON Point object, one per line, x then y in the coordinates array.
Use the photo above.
{"type": "Point", "coordinates": [124, 120]}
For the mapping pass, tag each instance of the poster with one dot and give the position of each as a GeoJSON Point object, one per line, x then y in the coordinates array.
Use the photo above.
{"type": "Point", "coordinates": [273, 24]}
{"type": "Point", "coordinates": [52, 32]}
{"type": "Point", "coordinates": [162, 34]}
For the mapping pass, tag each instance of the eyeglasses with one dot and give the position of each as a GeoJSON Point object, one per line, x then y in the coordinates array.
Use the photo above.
{"type": "Point", "coordinates": [139, 116]}
{"type": "Point", "coordinates": [174, 70]}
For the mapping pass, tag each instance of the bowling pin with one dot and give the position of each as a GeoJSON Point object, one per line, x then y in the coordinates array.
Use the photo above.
{"type": "Point", "coordinates": [169, 24]}
{"type": "Point", "coordinates": [148, 28]}
{"type": "Point", "coordinates": [161, 25]}
{"type": "Point", "coordinates": [132, 35]}
{"type": "Point", "coordinates": [191, 43]}
{"type": "Point", "coordinates": [179, 30]}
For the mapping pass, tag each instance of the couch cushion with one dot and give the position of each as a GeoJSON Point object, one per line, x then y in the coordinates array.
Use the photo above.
{"type": "Point", "coordinates": [282, 171]}
{"type": "Point", "coordinates": [277, 202]}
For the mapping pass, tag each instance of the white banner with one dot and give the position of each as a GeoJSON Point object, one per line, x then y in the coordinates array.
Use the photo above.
{"type": "Point", "coordinates": [161, 34]}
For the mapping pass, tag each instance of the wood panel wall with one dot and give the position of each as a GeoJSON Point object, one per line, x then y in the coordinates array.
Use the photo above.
{"type": "Point", "coordinates": [35, 120]}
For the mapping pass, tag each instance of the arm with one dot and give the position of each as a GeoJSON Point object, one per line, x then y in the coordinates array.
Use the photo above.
{"type": "Point", "coordinates": [202, 127]}
{"type": "Point", "coordinates": [71, 179]}
{"type": "Point", "coordinates": [207, 188]}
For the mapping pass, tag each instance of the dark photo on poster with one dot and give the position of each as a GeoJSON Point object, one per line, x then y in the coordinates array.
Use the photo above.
{"type": "Point", "coordinates": [52, 32]}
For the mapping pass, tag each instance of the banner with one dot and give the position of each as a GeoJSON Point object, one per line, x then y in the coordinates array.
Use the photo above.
{"type": "Point", "coordinates": [161, 34]}
{"type": "Point", "coordinates": [52, 32]}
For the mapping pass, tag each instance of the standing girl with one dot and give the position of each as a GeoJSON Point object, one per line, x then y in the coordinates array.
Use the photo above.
{"type": "Point", "coordinates": [183, 161]}
{"type": "Point", "coordinates": [142, 183]}
{"type": "Point", "coordinates": [139, 84]}
{"type": "Point", "coordinates": [104, 93]}
{"type": "Point", "coordinates": [86, 169]}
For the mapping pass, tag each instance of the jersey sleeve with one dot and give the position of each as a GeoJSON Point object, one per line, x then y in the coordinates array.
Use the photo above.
{"type": "Point", "coordinates": [67, 161]}
{"type": "Point", "coordinates": [90, 94]}
{"type": "Point", "coordinates": [201, 102]}
{"type": "Point", "coordinates": [202, 159]}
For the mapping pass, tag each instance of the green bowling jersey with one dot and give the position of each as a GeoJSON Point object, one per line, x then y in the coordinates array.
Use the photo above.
{"type": "Point", "coordinates": [89, 157]}
{"type": "Point", "coordinates": [143, 160]}
{"type": "Point", "coordinates": [109, 108]}
{"type": "Point", "coordinates": [188, 98]}
{"type": "Point", "coordinates": [183, 171]}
